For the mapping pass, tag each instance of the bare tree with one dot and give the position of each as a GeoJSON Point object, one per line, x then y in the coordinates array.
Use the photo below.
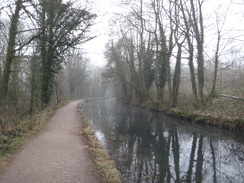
{"type": "Point", "coordinates": [187, 24]}
{"type": "Point", "coordinates": [179, 37]}
{"type": "Point", "coordinates": [10, 53]}
{"type": "Point", "coordinates": [216, 62]}
{"type": "Point", "coordinates": [220, 47]}
{"type": "Point", "coordinates": [196, 20]}
{"type": "Point", "coordinates": [164, 47]}
{"type": "Point", "coordinates": [76, 73]}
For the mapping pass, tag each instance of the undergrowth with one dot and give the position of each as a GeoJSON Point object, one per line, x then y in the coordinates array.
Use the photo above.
{"type": "Point", "coordinates": [16, 135]}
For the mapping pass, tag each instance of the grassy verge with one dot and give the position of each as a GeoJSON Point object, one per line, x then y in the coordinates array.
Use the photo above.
{"type": "Point", "coordinates": [104, 165]}
{"type": "Point", "coordinates": [21, 131]}
{"type": "Point", "coordinates": [221, 112]}
{"type": "Point", "coordinates": [225, 113]}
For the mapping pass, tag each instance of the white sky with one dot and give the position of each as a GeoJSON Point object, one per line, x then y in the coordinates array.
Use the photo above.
{"type": "Point", "coordinates": [95, 48]}
{"type": "Point", "coordinates": [105, 9]}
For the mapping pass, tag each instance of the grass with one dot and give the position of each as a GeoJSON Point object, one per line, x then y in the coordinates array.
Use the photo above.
{"type": "Point", "coordinates": [104, 165]}
{"type": "Point", "coordinates": [221, 112]}
{"type": "Point", "coordinates": [222, 107]}
{"type": "Point", "coordinates": [16, 136]}
{"type": "Point", "coordinates": [19, 133]}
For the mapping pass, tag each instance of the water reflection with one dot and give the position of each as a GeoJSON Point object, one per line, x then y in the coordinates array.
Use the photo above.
{"type": "Point", "coordinates": [152, 148]}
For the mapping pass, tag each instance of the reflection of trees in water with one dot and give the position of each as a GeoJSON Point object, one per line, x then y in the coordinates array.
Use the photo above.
{"type": "Point", "coordinates": [153, 150]}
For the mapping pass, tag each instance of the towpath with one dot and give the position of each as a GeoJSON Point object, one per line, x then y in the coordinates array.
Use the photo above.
{"type": "Point", "coordinates": [56, 155]}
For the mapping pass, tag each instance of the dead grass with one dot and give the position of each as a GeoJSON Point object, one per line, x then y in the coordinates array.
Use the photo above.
{"type": "Point", "coordinates": [19, 132]}
{"type": "Point", "coordinates": [222, 107]}
{"type": "Point", "coordinates": [221, 112]}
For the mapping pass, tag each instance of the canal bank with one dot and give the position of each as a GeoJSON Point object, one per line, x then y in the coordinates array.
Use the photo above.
{"type": "Point", "coordinates": [222, 113]}
{"type": "Point", "coordinates": [148, 147]}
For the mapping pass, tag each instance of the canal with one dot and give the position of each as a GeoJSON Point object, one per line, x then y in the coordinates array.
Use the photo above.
{"type": "Point", "coordinates": [150, 147]}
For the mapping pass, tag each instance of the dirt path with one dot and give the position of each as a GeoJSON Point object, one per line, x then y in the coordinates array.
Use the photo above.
{"type": "Point", "coordinates": [57, 154]}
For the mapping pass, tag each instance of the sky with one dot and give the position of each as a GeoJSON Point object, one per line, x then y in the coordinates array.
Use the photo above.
{"type": "Point", "coordinates": [105, 10]}
{"type": "Point", "coordinates": [95, 48]}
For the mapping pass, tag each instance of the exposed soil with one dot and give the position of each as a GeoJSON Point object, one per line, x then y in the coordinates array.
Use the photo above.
{"type": "Point", "coordinates": [57, 154]}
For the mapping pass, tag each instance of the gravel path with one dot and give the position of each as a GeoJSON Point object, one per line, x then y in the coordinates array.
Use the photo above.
{"type": "Point", "coordinates": [57, 154]}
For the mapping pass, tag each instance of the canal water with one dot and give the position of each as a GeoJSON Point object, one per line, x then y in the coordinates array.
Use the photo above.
{"type": "Point", "coordinates": [150, 147]}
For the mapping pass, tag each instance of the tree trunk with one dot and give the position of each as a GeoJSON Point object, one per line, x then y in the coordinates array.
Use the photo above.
{"type": "Point", "coordinates": [47, 53]}
{"type": "Point", "coordinates": [130, 59]}
{"type": "Point", "coordinates": [10, 54]}
{"type": "Point", "coordinates": [163, 63]}
{"type": "Point", "coordinates": [191, 54]}
{"type": "Point", "coordinates": [161, 54]}
{"type": "Point", "coordinates": [200, 73]}
{"type": "Point", "coordinates": [216, 66]}
{"type": "Point", "coordinates": [142, 57]}
{"type": "Point", "coordinates": [13, 93]}
{"type": "Point", "coordinates": [199, 36]}
{"type": "Point", "coordinates": [1, 74]}
{"type": "Point", "coordinates": [34, 74]}
{"type": "Point", "coordinates": [192, 72]}
{"type": "Point", "coordinates": [176, 78]}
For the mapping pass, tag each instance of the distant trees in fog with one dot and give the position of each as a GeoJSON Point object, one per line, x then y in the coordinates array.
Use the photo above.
{"type": "Point", "coordinates": [156, 40]}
